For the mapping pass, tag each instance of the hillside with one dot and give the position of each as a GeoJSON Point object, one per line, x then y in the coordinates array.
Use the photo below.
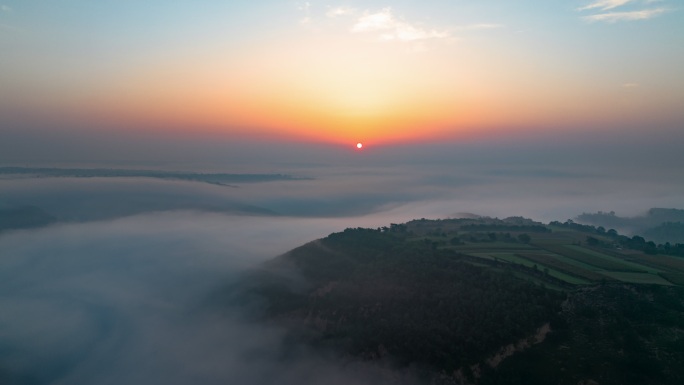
{"type": "Point", "coordinates": [485, 300]}
{"type": "Point", "coordinates": [658, 224]}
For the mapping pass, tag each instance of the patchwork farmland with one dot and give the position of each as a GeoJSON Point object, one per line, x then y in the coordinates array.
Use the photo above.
{"type": "Point", "coordinates": [553, 254]}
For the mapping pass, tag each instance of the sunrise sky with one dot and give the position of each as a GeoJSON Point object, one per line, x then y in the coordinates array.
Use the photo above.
{"type": "Point", "coordinates": [342, 72]}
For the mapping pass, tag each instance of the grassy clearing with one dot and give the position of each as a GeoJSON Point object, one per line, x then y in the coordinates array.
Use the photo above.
{"type": "Point", "coordinates": [675, 278]}
{"type": "Point", "coordinates": [643, 278]}
{"type": "Point", "coordinates": [477, 247]}
{"type": "Point", "coordinates": [508, 257]}
{"type": "Point", "coordinates": [595, 259]}
{"type": "Point", "coordinates": [554, 263]}
{"type": "Point", "coordinates": [568, 278]}
{"type": "Point", "coordinates": [579, 265]}
{"type": "Point", "coordinates": [636, 267]}
{"type": "Point", "coordinates": [663, 262]}
{"type": "Point", "coordinates": [575, 262]}
{"type": "Point", "coordinates": [514, 258]}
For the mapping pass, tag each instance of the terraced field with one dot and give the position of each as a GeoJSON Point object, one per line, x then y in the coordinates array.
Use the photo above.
{"type": "Point", "coordinates": [560, 255]}
{"type": "Point", "coordinates": [552, 262]}
{"type": "Point", "coordinates": [601, 261]}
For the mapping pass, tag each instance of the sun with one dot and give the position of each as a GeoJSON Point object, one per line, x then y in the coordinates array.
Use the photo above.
{"type": "Point", "coordinates": [359, 145]}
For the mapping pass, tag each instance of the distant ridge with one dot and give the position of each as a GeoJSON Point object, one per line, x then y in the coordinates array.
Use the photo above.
{"type": "Point", "coordinates": [221, 179]}
{"type": "Point", "coordinates": [658, 224]}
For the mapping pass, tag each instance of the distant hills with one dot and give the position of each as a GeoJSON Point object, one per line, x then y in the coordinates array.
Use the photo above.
{"type": "Point", "coordinates": [484, 301]}
{"type": "Point", "coordinates": [658, 224]}
{"type": "Point", "coordinates": [222, 179]}
{"type": "Point", "coordinates": [42, 209]}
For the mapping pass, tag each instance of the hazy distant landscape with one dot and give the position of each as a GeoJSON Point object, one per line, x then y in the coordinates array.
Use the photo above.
{"type": "Point", "coordinates": [111, 257]}
{"type": "Point", "coordinates": [470, 192]}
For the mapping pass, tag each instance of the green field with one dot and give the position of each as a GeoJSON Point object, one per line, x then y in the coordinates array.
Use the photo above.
{"type": "Point", "coordinates": [589, 257]}
{"type": "Point", "coordinates": [562, 253]}
{"type": "Point", "coordinates": [618, 259]}
{"type": "Point", "coordinates": [675, 278]}
{"type": "Point", "coordinates": [476, 247]}
{"type": "Point", "coordinates": [552, 271]}
{"type": "Point", "coordinates": [644, 278]}
{"type": "Point", "coordinates": [577, 265]}
{"type": "Point", "coordinates": [663, 262]}
{"type": "Point", "coordinates": [552, 262]}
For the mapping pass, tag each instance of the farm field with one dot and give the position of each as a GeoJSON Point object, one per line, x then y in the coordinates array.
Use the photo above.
{"type": "Point", "coordinates": [574, 271]}
{"type": "Point", "coordinates": [557, 254]}
{"type": "Point", "coordinates": [589, 257]}
{"type": "Point", "coordinates": [620, 260]}
{"type": "Point", "coordinates": [662, 262]}
{"type": "Point", "coordinates": [675, 278]}
{"type": "Point", "coordinates": [644, 278]}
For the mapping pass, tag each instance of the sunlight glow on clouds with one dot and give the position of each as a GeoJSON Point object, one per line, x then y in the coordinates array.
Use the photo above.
{"type": "Point", "coordinates": [340, 11]}
{"type": "Point", "coordinates": [393, 28]}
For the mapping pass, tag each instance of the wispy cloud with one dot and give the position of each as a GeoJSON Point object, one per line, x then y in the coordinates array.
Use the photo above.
{"type": "Point", "coordinates": [305, 7]}
{"type": "Point", "coordinates": [5, 8]}
{"type": "Point", "coordinates": [605, 4]}
{"type": "Point", "coordinates": [481, 26]}
{"type": "Point", "coordinates": [340, 11]}
{"type": "Point", "coordinates": [630, 85]}
{"type": "Point", "coordinates": [393, 28]}
{"type": "Point", "coordinates": [629, 10]}
{"type": "Point", "coordinates": [612, 17]}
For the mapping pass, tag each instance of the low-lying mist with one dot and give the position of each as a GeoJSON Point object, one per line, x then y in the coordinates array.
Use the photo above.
{"type": "Point", "coordinates": [400, 192]}
{"type": "Point", "coordinates": [126, 301]}
{"type": "Point", "coordinates": [121, 287]}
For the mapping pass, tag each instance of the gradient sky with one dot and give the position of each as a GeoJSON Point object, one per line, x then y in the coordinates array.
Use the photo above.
{"type": "Point", "coordinates": [343, 71]}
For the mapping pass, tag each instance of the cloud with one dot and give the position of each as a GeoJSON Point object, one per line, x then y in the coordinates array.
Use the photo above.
{"type": "Point", "coordinates": [481, 26]}
{"type": "Point", "coordinates": [306, 8]}
{"type": "Point", "coordinates": [630, 14]}
{"type": "Point", "coordinates": [145, 300]}
{"type": "Point", "coordinates": [340, 11]}
{"type": "Point", "coordinates": [605, 4]}
{"type": "Point", "coordinates": [5, 8]}
{"type": "Point", "coordinates": [392, 28]}
{"type": "Point", "coordinates": [612, 17]}
{"type": "Point", "coordinates": [630, 85]}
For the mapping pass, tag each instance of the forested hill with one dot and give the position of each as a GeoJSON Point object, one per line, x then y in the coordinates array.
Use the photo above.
{"type": "Point", "coordinates": [484, 301]}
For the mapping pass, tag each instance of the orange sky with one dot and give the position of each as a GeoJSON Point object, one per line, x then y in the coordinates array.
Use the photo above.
{"type": "Point", "coordinates": [365, 73]}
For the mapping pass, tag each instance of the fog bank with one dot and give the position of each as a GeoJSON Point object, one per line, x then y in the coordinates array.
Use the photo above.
{"type": "Point", "coordinates": [126, 301]}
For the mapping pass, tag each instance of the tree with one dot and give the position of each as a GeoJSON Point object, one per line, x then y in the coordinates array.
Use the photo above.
{"type": "Point", "coordinates": [524, 238]}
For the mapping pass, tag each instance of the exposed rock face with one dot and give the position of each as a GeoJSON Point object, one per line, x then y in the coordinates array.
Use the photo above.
{"type": "Point", "coordinates": [519, 346]}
